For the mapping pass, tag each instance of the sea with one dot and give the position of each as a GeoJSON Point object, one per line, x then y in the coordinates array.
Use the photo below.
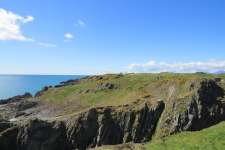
{"type": "Point", "coordinates": [12, 85]}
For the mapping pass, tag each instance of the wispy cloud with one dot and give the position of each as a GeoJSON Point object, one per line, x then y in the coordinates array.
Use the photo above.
{"type": "Point", "coordinates": [28, 19]}
{"type": "Point", "coordinates": [181, 67]}
{"type": "Point", "coordinates": [80, 23]}
{"type": "Point", "coordinates": [68, 36]}
{"type": "Point", "coordinates": [10, 26]}
{"type": "Point", "coordinates": [48, 45]}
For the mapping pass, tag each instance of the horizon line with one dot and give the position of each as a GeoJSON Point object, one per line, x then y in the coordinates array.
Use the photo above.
{"type": "Point", "coordinates": [34, 74]}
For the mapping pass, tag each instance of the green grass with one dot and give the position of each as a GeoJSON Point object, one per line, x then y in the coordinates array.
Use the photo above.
{"type": "Point", "coordinates": [129, 87]}
{"type": "Point", "coordinates": [212, 138]}
{"type": "Point", "coordinates": [125, 86]}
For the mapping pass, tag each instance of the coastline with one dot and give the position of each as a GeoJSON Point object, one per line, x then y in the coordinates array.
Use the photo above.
{"type": "Point", "coordinates": [32, 89]}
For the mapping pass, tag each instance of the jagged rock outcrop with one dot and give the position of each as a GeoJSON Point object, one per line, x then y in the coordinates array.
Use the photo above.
{"type": "Point", "coordinates": [17, 106]}
{"type": "Point", "coordinates": [203, 108]}
{"type": "Point", "coordinates": [41, 135]}
{"type": "Point", "coordinates": [35, 135]}
{"type": "Point", "coordinates": [98, 126]}
{"type": "Point", "coordinates": [15, 98]}
{"type": "Point", "coordinates": [109, 126]}
{"type": "Point", "coordinates": [8, 139]}
{"type": "Point", "coordinates": [106, 86]}
{"type": "Point", "coordinates": [4, 124]}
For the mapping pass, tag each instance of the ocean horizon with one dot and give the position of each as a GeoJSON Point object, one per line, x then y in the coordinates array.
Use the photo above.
{"type": "Point", "coordinates": [12, 85]}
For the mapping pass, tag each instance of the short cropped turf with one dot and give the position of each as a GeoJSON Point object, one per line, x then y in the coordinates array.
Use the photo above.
{"type": "Point", "coordinates": [212, 138]}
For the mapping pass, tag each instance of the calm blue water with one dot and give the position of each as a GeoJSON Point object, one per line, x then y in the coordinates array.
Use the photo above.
{"type": "Point", "coordinates": [11, 85]}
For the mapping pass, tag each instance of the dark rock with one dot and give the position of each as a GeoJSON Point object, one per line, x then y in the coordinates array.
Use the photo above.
{"type": "Point", "coordinates": [41, 135]}
{"type": "Point", "coordinates": [217, 79]}
{"type": "Point", "coordinates": [69, 82]}
{"type": "Point", "coordinates": [26, 105]}
{"type": "Point", "coordinates": [105, 86]}
{"type": "Point", "coordinates": [44, 89]}
{"type": "Point", "coordinates": [109, 125]}
{"type": "Point", "coordinates": [20, 113]}
{"type": "Point", "coordinates": [16, 98]}
{"type": "Point", "coordinates": [110, 133]}
{"type": "Point", "coordinates": [8, 139]}
{"type": "Point", "coordinates": [4, 124]}
{"type": "Point", "coordinates": [59, 85]}
{"type": "Point", "coordinates": [82, 132]}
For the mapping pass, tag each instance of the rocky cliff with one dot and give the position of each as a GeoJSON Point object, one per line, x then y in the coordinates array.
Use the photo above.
{"type": "Point", "coordinates": [96, 127]}
{"type": "Point", "coordinates": [200, 105]}
{"type": "Point", "coordinates": [203, 108]}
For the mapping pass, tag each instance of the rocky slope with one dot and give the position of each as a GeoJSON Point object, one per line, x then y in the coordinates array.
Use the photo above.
{"type": "Point", "coordinates": [166, 107]}
{"type": "Point", "coordinates": [203, 108]}
{"type": "Point", "coordinates": [96, 127]}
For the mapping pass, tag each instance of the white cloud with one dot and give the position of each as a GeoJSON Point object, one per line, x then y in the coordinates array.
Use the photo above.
{"type": "Point", "coordinates": [10, 26]}
{"type": "Point", "coordinates": [68, 36]}
{"type": "Point", "coordinates": [48, 45]}
{"type": "Point", "coordinates": [181, 67]}
{"type": "Point", "coordinates": [81, 23]}
{"type": "Point", "coordinates": [28, 19]}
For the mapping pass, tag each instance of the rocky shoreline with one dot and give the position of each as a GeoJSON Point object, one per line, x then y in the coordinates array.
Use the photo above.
{"type": "Point", "coordinates": [15, 98]}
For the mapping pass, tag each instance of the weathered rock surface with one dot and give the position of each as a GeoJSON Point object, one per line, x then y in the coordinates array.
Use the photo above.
{"type": "Point", "coordinates": [8, 139]}
{"type": "Point", "coordinates": [4, 124]}
{"type": "Point", "coordinates": [105, 86]}
{"type": "Point", "coordinates": [98, 126]}
{"type": "Point", "coordinates": [109, 126]}
{"type": "Point", "coordinates": [203, 108]}
{"type": "Point", "coordinates": [17, 106]}
{"type": "Point", "coordinates": [41, 135]}
{"type": "Point", "coordinates": [15, 98]}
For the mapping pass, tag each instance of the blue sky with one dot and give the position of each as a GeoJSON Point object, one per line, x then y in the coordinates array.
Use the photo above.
{"type": "Point", "coordinates": [100, 36]}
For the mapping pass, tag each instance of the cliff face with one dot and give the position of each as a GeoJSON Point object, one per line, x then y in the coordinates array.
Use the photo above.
{"type": "Point", "coordinates": [200, 106]}
{"type": "Point", "coordinates": [96, 127]}
{"type": "Point", "coordinates": [109, 126]}
{"type": "Point", "coordinates": [203, 108]}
